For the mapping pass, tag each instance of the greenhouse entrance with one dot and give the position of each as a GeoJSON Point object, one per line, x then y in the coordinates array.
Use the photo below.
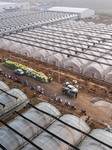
{"type": "Point", "coordinates": [71, 68]}
{"type": "Point", "coordinates": [92, 75]}
{"type": "Point", "coordinates": [39, 58]}
{"type": "Point", "coordinates": [26, 54]}
{"type": "Point", "coordinates": [54, 63]}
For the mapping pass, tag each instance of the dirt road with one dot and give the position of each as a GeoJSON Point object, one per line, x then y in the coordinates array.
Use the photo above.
{"type": "Point", "coordinates": [87, 89]}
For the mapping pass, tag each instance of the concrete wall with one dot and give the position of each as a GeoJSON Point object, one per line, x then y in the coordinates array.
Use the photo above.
{"type": "Point", "coordinates": [87, 13]}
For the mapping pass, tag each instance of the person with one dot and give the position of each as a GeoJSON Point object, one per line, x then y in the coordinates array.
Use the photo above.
{"type": "Point", "coordinates": [69, 104]}
{"type": "Point", "coordinates": [26, 83]}
{"type": "Point", "coordinates": [42, 90]}
{"type": "Point", "coordinates": [109, 128]}
{"type": "Point", "coordinates": [87, 119]}
{"type": "Point", "coordinates": [66, 84]}
{"type": "Point", "coordinates": [76, 94]}
{"type": "Point", "coordinates": [38, 87]}
{"type": "Point", "coordinates": [105, 91]}
{"type": "Point", "coordinates": [0, 71]}
{"type": "Point", "coordinates": [5, 75]}
{"type": "Point", "coordinates": [49, 79]}
{"type": "Point", "coordinates": [59, 100]}
{"type": "Point", "coordinates": [31, 87]}
{"type": "Point", "coordinates": [73, 82]}
{"type": "Point", "coordinates": [12, 77]}
{"type": "Point", "coordinates": [66, 102]}
{"type": "Point", "coordinates": [83, 111]}
{"type": "Point", "coordinates": [89, 78]}
{"type": "Point", "coordinates": [73, 107]}
{"type": "Point", "coordinates": [9, 76]}
{"type": "Point", "coordinates": [54, 98]}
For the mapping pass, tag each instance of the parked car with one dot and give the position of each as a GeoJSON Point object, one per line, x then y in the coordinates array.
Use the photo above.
{"type": "Point", "coordinates": [19, 71]}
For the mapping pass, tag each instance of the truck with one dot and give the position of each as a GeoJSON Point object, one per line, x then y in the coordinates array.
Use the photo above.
{"type": "Point", "coordinates": [69, 90]}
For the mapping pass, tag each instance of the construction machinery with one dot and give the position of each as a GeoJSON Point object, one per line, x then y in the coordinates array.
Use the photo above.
{"type": "Point", "coordinates": [69, 90]}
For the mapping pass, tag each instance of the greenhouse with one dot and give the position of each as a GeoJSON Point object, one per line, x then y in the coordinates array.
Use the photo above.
{"type": "Point", "coordinates": [57, 59]}
{"type": "Point", "coordinates": [78, 64]}
{"type": "Point", "coordinates": [95, 71]}
{"type": "Point", "coordinates": [15, 47]}
{"type": "Point", "coordinates": [88, 45]}
{"type": "Point", "coordinates": [48, 142]}
{"type": "Point", "coordinates": [4, 44]}
{"type": "Point", "coordinates": [12, 100]}
{"type": "Point", "coordinates": [90, 144]}
{"type": "Point", "coordinates": [12, 141]}
{"type": "Point", "coordinates": [108, 77]}
{"type": "Point", "coordinates": [3, 86]}
{"type": "Point", "coordinates": [27, 51]}
{"type": "Point", "coordinates": [42, 55]}
{"type": "Point", "coordinates": [98, 71]}
{"type": "Point", "coordinates": [73, 64]}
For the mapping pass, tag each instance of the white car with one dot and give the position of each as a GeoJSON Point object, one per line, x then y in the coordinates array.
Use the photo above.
{"type": "Point", "coordinates": [19, 71]}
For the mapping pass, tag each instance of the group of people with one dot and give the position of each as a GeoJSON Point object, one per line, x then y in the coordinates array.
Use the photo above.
{"type": "Point", "coordinates": [6, 75]}
{"type": "Point", "coordinates": [67, 103]}
{"type": "Point", "coordinates": [25, 83]}
{"type": "Point", "coordinates": [83, 112]}
{"type": "Point", "coordinates": [71, 106]}
{"type": "Point", "coordinates": [41, 91]}
{"type": "Point", "coordinates": [38, 89]}
{"type": "Point", "coordinates": [58, 99]}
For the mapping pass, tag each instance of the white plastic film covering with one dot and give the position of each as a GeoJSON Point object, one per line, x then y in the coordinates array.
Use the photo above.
{"type": "Point", "coordinates": [98, 71]}
{"type": "Point", "coordinates": [12, 141]}
{"type": "Point", "coordinates": [48, 142]}
{"type": "Point", "coordinates": [3, 86]}
{"type": "Point", "coordinates": [108, 77]}
{"type": "Point", "coordinates": [73, 63]}
{"type": "Point", "coordinates": [90, 144]}
{"type": "Point", "coordinates": [11, 102]}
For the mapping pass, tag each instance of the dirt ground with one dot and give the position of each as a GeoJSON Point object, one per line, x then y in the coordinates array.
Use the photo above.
{"type": "Point", "coordinates": [101, 19]}
{"type": "Point", "coordinates": [87, 88]}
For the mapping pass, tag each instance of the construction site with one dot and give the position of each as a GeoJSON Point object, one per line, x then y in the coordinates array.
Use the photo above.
{"type": "Point", "coordinates": [55, 80]}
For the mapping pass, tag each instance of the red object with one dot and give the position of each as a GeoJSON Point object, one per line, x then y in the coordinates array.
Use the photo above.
{"type": "Point", "coordinates": [17, 79]}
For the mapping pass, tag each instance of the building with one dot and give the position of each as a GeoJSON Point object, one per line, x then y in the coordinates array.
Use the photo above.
{"type": "Point", "coordinates": [42, 8]}
{"type": "Point", "coordinates": [81, 12]}
{"type": "Point", "coordinates": [8, 6]}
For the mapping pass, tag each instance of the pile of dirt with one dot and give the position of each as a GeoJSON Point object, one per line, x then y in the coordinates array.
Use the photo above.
{"type": "Point", "coordinates": [96, 99]}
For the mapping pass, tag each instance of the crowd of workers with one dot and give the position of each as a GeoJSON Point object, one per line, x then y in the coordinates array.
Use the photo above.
{"type": "Point", "coordinates": [25, 83]}
{"type": "Point", "coordinates": [41, 91]}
